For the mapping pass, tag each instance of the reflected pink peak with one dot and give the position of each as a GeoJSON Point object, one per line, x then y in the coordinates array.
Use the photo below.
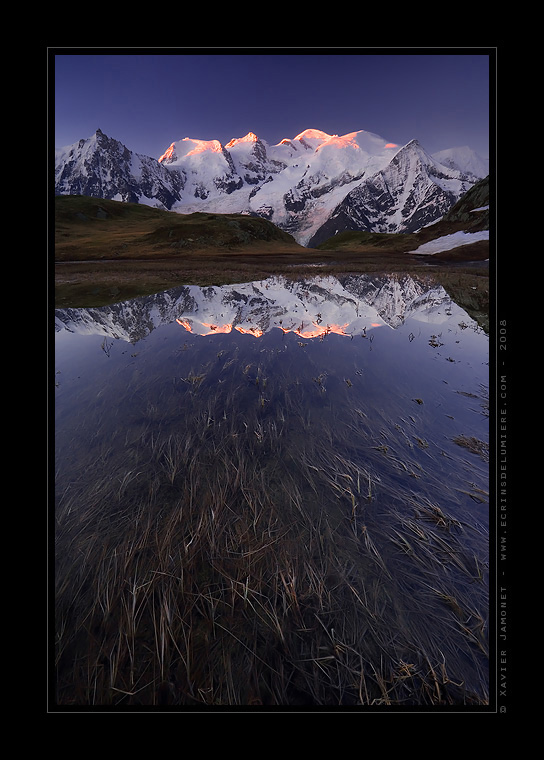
{"type": "Point", "coordinates": [251, 331]}
{"type": "Point", "coordinates": [217, 328]}
{"type": "Point", "coordinates": [318, 330]}
{"type": "Point", "coordinates": [315, 330]}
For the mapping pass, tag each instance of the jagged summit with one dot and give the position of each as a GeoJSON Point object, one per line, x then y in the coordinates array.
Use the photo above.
{"type": "Point", "coordinates": [313, 185]}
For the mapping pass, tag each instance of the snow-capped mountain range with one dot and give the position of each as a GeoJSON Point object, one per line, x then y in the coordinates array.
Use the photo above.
{"type": "Point", "coordinates": [312, 186]}
{"type": "Point", "coordinates": [310, 308]}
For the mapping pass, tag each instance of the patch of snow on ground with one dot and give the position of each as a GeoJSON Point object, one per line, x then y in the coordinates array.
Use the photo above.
{"type": "Point", "coordinates": [447, 242]}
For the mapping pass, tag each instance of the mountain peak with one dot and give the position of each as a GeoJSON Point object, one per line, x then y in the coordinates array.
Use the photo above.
{"type": "Point", "coordinates": [199, 146]}
{"type": "Point", "coordinates": [313, 134]}
{"type": "Point", "coordinates": [464, 159]}
{"type": "Point", "coordinates": [193, 147]}
{"type": "Point", "coordinates": [101, 137]}
{"type": "Point", "coordinates": [251, 137]}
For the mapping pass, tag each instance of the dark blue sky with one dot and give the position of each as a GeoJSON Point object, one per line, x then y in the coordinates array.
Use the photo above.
{"type": "Point", "coordinates": [147, 98]}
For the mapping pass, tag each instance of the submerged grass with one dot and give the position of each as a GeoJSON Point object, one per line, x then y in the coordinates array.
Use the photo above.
{"type": "Point", "coordinates": [230, 555]}
{"type": "Point", "coordinates": [474, 445]}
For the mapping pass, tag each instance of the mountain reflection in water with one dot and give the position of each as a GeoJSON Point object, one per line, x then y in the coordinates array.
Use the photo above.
{"type": "Point", "coordinates": [273, 493]}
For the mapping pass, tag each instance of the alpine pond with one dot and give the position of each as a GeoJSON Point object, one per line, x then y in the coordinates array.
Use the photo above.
{"type": "Point", "coordinates": [272, 494]}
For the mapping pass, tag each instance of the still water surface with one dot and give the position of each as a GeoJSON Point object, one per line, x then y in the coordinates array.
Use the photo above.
{"type": "Point", "coordinates": [361, 401]}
